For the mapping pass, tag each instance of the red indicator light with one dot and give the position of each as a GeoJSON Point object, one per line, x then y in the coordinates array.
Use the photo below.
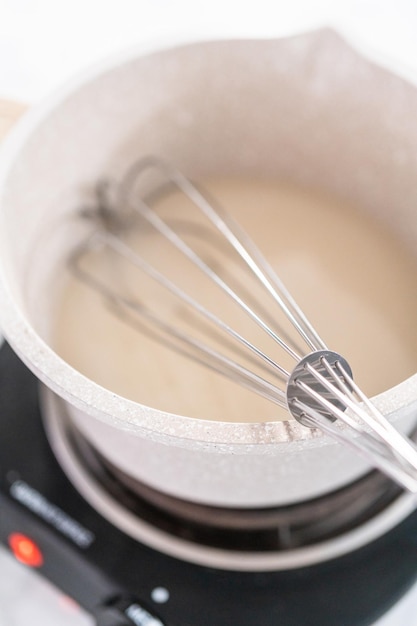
{"type": "Point", "coordinates": [25, 550]}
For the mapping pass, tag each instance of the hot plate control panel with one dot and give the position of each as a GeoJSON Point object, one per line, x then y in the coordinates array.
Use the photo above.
{"type": "Point", "coordinates": [49, 554]}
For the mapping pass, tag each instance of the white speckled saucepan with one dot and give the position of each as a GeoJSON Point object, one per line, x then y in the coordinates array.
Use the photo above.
{"type": "Point", "coordinates": [256, 103]}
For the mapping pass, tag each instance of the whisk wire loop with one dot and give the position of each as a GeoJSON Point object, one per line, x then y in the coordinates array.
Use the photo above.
{"type": "Point", "coordinates": [318, 391]}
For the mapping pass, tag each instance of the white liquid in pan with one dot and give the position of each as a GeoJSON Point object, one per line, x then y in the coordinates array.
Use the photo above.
{"type": "Point", "coordinates": [354, 281]}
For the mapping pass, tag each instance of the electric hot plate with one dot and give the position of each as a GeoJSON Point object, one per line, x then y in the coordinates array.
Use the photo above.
{"type": "Point", "coordinates": [121, 581]}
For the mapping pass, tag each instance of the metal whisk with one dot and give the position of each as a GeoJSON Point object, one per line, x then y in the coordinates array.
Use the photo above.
{"type": "Point", "coordinates": [316, 387]}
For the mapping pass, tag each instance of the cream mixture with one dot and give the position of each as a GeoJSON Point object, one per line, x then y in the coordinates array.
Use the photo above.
{"type": "Point", "coordinates": [353, 279]}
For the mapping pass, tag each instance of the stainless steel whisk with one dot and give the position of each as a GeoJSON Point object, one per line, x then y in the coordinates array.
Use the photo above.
{"type": "Point", "coordinates": [318, 390]}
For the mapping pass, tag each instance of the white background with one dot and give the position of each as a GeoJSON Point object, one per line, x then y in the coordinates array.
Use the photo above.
{"type": "Point", "coordinates": [44, 42]}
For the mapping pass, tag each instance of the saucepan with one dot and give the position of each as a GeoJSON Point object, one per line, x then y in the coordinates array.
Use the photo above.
{"type": "Point", "coordinates": [307, 109]}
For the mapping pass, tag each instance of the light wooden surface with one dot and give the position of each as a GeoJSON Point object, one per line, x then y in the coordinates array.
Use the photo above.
{"type": "Point", "coordinates": [9, 114]}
